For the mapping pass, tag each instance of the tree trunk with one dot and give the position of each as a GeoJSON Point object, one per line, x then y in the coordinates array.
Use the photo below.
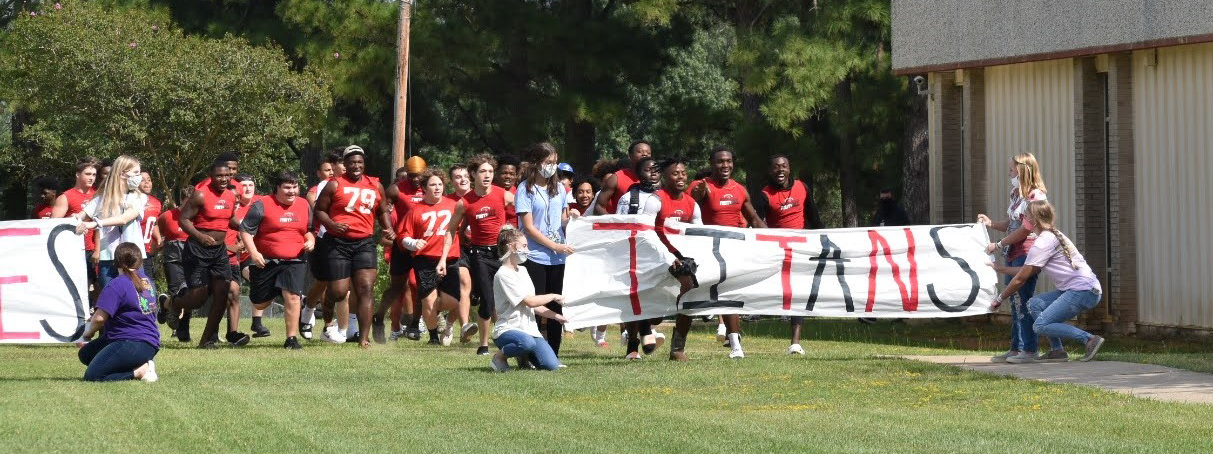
{"type": "Point", "coordinates": [848, 174]}
{"type": "Point", "coordinates": [915, 176]}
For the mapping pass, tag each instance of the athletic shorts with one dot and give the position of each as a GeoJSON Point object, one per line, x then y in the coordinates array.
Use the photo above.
{"type": "Point", "coordinates": [483, 264]}
{"type": "Point", "coordinates": [277, 276]}
{"type": "Point", "coordinates": [237, 276]}
{"type": "Point", "coordinates": [205, 263]}
{"type": "Point", "coordinates": [313, 262]}
{"type": "Point", "coordinates": [463, 258]}
{"type": "Point", "coordinates": [426, 269]}
{"type": "Point", "coordinates": [174, 269]}
{"type": "Point", "coordinates": [90, 269]}
{"type": "Point", "coordinates": [339, 257]}
{"type": "Point", "coordinates": [402, 261]}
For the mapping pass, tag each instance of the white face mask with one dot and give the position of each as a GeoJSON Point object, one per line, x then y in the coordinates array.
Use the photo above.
{"type": "Point", "coordinates": [547, 170]}
{"type": "Point", "coordinates": [133, 182]}
{"type": "Point", "coordinates": [1014, 182]}
{"type": "Point", "coordinates": [521, 255]}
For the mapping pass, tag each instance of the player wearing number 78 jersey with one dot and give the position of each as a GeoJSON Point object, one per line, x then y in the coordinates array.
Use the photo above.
{"type": "Point", "coordinates": [347, 207]}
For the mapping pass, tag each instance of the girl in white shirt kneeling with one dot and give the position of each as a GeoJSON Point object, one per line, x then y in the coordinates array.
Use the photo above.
{"type": "Point", "coordinates": [516, 333]}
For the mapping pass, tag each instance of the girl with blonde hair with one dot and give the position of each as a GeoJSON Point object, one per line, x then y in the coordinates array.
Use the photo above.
{"type": "Point", "coordinates": [1027, 185]}
{"type": "Point", "coordinates": [1078, 288]}
{"type": "Point", "coordinates": [116, 214]}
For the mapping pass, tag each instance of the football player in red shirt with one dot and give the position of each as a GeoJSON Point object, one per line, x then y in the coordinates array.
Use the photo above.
{"type": "Point", "coordinates": [318, 287]}
{"type": "Point", "coordinates": [726, 202]}
{"type": "Point", "coordinates": [427, 231]}
{"type": "Point", "coordinates": [207, 216]}
{"type": "Point", "coordinates": [276, 231]}
{"type": "Point", "coordinates": [506, 177]}
{"type": "Point", "coordinates": [47, 191]}
{"type": "Point", "coordinates": [172, 259]}
{"type": "Point", "coordinates": [786, 201]}
{"type": "Point", "coordinates": [617, 183]}
{"type": "Point", "coordinates": [151, 235]}
{"type": "Point", "coordinates": [400, 295]}
{"type": "Point", "coordinates": [348, 207]}
{"type": "Point", "coordinates": [71, 203]}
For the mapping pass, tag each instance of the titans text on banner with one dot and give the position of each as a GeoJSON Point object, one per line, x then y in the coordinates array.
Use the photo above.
{"type": "Point", "coordinates": [42, 293]}
{"type": "Point", "coordinates": [620, 271]}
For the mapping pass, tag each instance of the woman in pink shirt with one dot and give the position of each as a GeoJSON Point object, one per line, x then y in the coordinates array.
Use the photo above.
{"type": "Point", "coordinates": [1027, 185]}
{"type": "Point", "coordinates": [1078, 288]}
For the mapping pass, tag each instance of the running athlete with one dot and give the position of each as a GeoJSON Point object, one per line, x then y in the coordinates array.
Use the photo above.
{"type": "Point", "coordinates": [482, 213]}
{"type": "Point", "coordinates": [233, 163]}
{"type": "Point", "coordinates": [173, 257]}
{"type": "Point", "coordinates": [617, 183]}
{"type": "Point", "coordinates": [462, 183]}
{"type": "Point", "coordinates": [506, 177]}
{"type": "Point", "coordinates": [347, 207]}
{"type": "Point", "coordinates": [151, 235]}
{"type": "Point", "coordinates": [725, 202]}
{"type": "Point", "coordinates": [71, 203]}
{"type": "Point", "coordinates": [642, 198]}
{"type": "Point", "coordinates": [402, 287]}
{"type": "Point", "coordinates": [275, 230]}
{"type": "Point", "coordinates": [786, 198]}
{"type": "Point", "coordinates": [46, 191]}
{"type": "Point", "coordinates": [238, 258]}
{"type": "Point", "coordinates": [676, 204]}
{"type": "Point", "coordinates": [426, 231]}
{"type": "Point", "coordinates": [206, 217]}
{"type": "Point", "coordinates": [318, 288]}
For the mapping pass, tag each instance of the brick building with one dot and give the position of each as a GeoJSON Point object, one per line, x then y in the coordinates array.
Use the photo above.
{"type": "Point", "coordinates": [1115, 98]}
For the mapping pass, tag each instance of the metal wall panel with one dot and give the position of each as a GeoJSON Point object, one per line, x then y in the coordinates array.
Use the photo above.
{"type": "Point", "coordinates": [1173, 122]}
{"type": "Point", "coordinates": [1030, 108]}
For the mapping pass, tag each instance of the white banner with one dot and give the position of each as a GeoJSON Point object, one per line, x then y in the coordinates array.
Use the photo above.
{"type": "Point", "coordinates": [620, 271]}
{"type": "Point", "coordinates": [43, 297]}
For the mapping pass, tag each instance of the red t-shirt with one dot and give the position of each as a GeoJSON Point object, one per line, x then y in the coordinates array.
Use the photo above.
{"type": "Point", "coordinates": [485, 216]}
{"type": "Point", "coordinates": [624, 179]}
{"type": "Point", "coordinates": [723, 203]}
{"type": "Point", "coordinates": [511, 216]}
{"type": "Point", "coordinates": [278, 230]}
{"type": "Point", "coordinates": [682, 209]}
{"type": "Point", "coordinates": [151, 212]}
{"type": "Point", "coordinates": [43, 211]}
{"type": "Point", "coordinates": [354, 203]}
{"type": "Point", "coordinates": [170, 226]}
{"type": "Point", "coordinates": [430, 223]}
{"type": "Point", "coordinates": [233, 235]}
{"type": "Point", "coordinates": [786, 206]}
{"type": "Point", "coordinates": [581, 210]}
{"type": "Point", "coordinates": [75, 204]}
{"type": "Point", "coordinates": [216, 210]}
{"type": "Point", "coordinates": [407, 196]}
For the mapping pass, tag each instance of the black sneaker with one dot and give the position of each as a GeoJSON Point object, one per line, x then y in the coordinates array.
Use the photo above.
{"type": "Point", "coordinates": [292, 343]}
{"type": "Point", "coordinates": [412, 334]}
{"type": "Point", "coordinates": [434, 341]}
{"type": "Point", "coordinates": [353, 339]}
{"type": "Point", "coordinates": [237, 339]}
{"type": "Point", "coordinates": [183, 332]}
{"type": "Point", "coordinates": [209, 345]}
{"type": "Point", "coordinates": [482, 350]}
{"type": "Point", "coordinates": [261, 331]}
{"type": "Point", "coordinates": [377, 330]}
{"type": "Point", "coordinates": [305, 330]}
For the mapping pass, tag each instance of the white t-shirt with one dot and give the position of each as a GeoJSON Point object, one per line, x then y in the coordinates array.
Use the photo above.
{"type": "Point", "coordinates": [1046, 253]}
{"type": "Point", "coordinates": [321, 229]}
{"type": "Point", "coordinates": [650, 203]}
{"type": "Point", "coordinates": [509, 288]}
{"type": "Point", "coordinates": [112, 236]}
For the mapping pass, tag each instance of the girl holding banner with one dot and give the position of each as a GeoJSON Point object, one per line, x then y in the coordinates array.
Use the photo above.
{"type": "Point", "coordinates": [1027, 185]}
{"type": "Point", "coordinates": [127, 310]}
{"type": "Point", "coordinates": [1078, 288]}
{"type": "Point", "coordinates": [542, 207]}
{"type": "Point", "coordinates": [516, 333]}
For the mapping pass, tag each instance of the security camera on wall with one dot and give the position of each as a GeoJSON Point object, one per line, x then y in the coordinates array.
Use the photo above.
{"type": "Point", "coordinates": [920, 84]}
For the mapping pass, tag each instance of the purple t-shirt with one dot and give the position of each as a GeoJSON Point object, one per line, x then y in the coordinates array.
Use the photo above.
{"type": "Point", "coordinates": [132, 316]}
{"type": "Point", "coordinates": [1046, 254]}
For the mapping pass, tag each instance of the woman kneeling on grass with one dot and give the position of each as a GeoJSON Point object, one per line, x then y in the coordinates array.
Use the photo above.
{"type": "Point", "coordinates": [127, 310]}
{"type": "Point", "coordinates": [516, 333]}
{"type": "Point", "coordinates": [1078, 289]}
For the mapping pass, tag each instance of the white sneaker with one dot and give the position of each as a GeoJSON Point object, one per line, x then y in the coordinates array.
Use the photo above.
{"type": "Point", "coordinates": [721, 333]}
{"type": "Point", "coordinates": [151, 376]}
{"type": "Point", "coordinates": [737, 353]}
{"type": "Point", "coordinates": [445, 335]}
{"type": "Point", "coordinates": [795, 349]}
{"type": "Point", "coordinates": [623, 337]}
{"type": "Point", "coordinates": [396, 334]}
{"type": "Point", "coordinates": [735, 343]}
{"type": "Point", "coordinates": [334, 335]}
{"type": "Point", "coordinates": [660, 339]}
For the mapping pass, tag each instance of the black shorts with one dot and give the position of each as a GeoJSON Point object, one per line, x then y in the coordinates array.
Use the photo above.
{"type": "Point", "coordinates": [402, 261]}
{"type": "Point", "coordinates": [90, 270]}
{"type": "Point", "coordinates": [237, 276]}
{"type": "Point", "coordinates": [277, 276]}
{"type": "Point", "coordinates": [483, 264]}
{"type": "Point", "coordinates": [313, 262]}
{"type": "Point", "coordinates": [463, 258]}
{"type": "Point", "coordinates": [428, 280]}
{"type": "Point", "coordinates": [339, 257]}
{"type": "Point", "coordinates": [174, 270]}
{"type": "Point", "coordinates": [205, 263]}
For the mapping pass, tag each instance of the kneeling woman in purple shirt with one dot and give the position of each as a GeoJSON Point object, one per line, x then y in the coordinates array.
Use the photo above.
{"type": "Point", "coordinates": [127, 311]}
{"type": "Point", "coordinates": [1078, 288]}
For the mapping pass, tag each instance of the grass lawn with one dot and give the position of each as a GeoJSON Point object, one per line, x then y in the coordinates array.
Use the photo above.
{"type": "Point", "coordinates": [844, 396]}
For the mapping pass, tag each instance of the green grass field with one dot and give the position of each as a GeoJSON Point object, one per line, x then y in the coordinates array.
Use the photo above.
{"type": "Point", "coordinates": [844, 396]}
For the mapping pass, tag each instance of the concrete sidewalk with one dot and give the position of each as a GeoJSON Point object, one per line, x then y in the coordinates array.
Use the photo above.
{"type": "Point", "coordinates": [1141, 380]}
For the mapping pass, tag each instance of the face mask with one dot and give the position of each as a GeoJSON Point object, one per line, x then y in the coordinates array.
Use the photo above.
{"type": "Point", "coordinates": [132, 183]}
{"type": "Point", "coordinates": [547, 170]}
{"type": "Point", "coordinates": [1014, 182]}
{"type": "Point", "coordinates": [521, 255]}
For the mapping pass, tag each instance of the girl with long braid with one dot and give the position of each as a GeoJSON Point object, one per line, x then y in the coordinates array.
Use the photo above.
{"type": "Point", "coordinates": [1078, 288]}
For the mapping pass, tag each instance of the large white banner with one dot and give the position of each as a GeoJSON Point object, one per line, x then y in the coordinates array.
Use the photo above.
{"type": "Point", "coordinates": [42, 290]}
{"type": "Point", "coordinates": [619, 271]}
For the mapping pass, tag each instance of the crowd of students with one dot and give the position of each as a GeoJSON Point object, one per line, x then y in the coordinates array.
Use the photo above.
{"type": "Point", "coordinates": [489, 233]}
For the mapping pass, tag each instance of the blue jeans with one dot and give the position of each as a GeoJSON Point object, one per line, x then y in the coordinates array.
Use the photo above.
{"type": "Point", "coordinates": [1023, 338]}
{"type": "Point", "coordinates": [106, 272]}
{"type": "Point", "coordinates": [1052, 309]}
{"type": "Point", "coordinates": [114, 360]}
{"type": "Point", "coordinates": [517, 344]}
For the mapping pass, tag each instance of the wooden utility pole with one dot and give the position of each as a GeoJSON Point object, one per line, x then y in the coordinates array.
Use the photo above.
{"type": "Point", "coordinates": [399, 125]}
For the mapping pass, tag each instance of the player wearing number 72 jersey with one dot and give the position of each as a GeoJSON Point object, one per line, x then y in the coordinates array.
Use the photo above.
{"type": "Point", "coordinates": [427, 230]}
{"type": "Point", "coordinates": [347, 207]}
